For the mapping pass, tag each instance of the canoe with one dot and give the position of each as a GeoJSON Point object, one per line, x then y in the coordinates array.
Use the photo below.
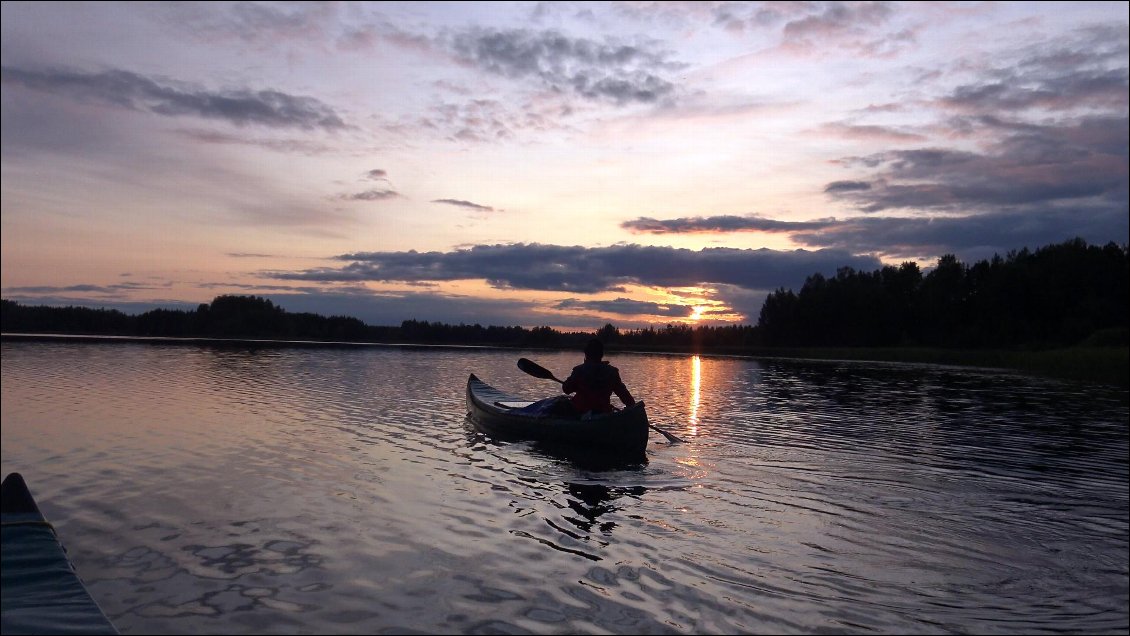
{"type": "Point", "coordinates": [42, 592]}
{"type": "Point", "coordinates": [505, 416]}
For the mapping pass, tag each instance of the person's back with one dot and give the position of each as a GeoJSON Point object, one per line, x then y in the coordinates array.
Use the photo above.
{"type": "Point", "coordinates": [595, 381]}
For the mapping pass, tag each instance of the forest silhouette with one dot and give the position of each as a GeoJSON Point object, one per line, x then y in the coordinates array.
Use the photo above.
{"type": "Point", "coordinates": [1056, 296]}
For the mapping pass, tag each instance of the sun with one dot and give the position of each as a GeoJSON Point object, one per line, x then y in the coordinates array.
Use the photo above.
{"type": "Point", "coordinates": [697, 311]}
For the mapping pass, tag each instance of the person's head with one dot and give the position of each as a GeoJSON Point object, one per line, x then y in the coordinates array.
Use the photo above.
{"type": "Point", "coordinates": [594, 350]}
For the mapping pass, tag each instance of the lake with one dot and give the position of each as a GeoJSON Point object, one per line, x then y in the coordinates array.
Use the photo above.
{"type": "Point", "coordinates": [342, 490]}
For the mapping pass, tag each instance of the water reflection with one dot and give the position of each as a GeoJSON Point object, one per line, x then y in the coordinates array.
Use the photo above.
{"type": "Point", "coordinates": [695, 392]}
{"type": "Point", "coordinates": [577, 455]}
{"type": "Point", "coordinates": [344, 492]}
{"type": "Point", "coordinates": [592, 501]}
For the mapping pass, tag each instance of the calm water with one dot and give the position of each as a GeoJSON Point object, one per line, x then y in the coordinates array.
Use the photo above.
{"type": "Point", "coordinates": [342, 490]}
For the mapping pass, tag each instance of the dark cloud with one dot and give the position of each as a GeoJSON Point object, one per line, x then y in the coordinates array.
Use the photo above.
{"type": "Point", "coordinates": [744, 302]}
{"type": "Point", "coordinates": [718, 224]}
{"type": "Point", "coordinates": [588, 270]}
{"type": "Point", "coordinates": [609, 71]}
{"type": "Point", "coordinates": [836, 18]}
{"type": "Point", "coordinates": [1050, 130]}
{"type": "Point", "coordinates": [377, 174]}
{"type": "Point", "coordinates": [855, 26]}
{"type": "Point", "coordinates": [1078, 162]}
{"type": "Point", "coordinates": [258, 288]}
{"type": "Point", "coordinates": [1086, 70]}
{"type": "Point", "coordinates": [372, 195]}
{"type": "Point", "coordinates": [627, 307]}
{"type": "Point", "coordinates": [847, 186]}
{"type": "Point", "coordinates": [1099, 87]}
{"type": "Point", "coordinates": [84, 288]}
{"type": "Point", "coordinates": [972, 236]}
{"type": "Point", "coordinates": [465, 204]}
{"type": "Point", "coordinates": [119, 296]}
{"type": "Point", "coordinates": [162, 97]}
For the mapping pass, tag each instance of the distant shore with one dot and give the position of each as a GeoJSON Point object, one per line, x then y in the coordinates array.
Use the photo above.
{"type": "Point", "coordinates": [1095, 365]}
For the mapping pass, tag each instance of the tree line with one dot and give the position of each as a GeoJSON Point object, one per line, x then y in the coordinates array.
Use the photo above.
{"type": "Point", "coordinates": [1057, 295]}
{"type": "Point", "coordinates": [252, 317]}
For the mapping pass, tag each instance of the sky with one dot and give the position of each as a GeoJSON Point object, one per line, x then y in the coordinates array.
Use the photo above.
{"type": "Point", "coordinates": [544, 164]}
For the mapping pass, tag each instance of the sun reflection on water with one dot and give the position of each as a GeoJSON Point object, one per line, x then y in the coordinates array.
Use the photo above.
{"type": "Point", "coordinates": [696, 383]}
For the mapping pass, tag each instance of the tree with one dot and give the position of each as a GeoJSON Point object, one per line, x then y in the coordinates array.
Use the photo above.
{"type": "Point", "coordinates": [608, 333]}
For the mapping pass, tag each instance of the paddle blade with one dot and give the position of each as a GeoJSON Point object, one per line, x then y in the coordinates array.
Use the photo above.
{"type": "Point", "coordinates": [534, 369]}
{"type": "Point", "coordinates": [670, 438]}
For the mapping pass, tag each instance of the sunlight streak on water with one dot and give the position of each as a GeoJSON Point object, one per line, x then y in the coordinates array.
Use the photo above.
{"type": "Point", "coordinates": [696, 393]}
{"type": "Point", "coordinates": [279, 491]}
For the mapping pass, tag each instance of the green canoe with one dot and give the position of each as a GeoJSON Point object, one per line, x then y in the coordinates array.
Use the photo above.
{"type": "Point", "coordinates": [504, 416]}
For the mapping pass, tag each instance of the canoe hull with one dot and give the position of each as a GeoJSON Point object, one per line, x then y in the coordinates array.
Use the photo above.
{"type": "Point", "coordinates": [42, 592]}
{"type": "Point", "coordinates": [624, 432]}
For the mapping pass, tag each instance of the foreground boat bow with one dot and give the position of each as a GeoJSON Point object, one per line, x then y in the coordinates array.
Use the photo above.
{"type": "Point", "coordinates": [42, 592]}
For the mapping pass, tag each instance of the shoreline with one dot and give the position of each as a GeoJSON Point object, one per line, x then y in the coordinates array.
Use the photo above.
{"type": "Point", "coordinates": [1094, 365]}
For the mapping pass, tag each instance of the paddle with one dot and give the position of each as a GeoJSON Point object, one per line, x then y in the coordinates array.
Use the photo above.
{"type": "Point", "coordinates": [538, 371]}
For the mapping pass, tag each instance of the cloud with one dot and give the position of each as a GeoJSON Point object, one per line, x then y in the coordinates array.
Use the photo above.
{"type": "Point", "coordinates": [465, 204]}
{"type": "Point", "coordinates": [718, 224]}
{"type": "Point", "coordinates": [855, 26]}
{"type": "Point", "coordinates": [1013, 92]}
{"type": "Point", "coordinates": [377, 174]}
{"type": "Point", "coordinates": [1085, 70]}
{"type": "Point", "coordinates": [627, 307]}
{"type": "Point", "coordinates": [128, 90]}
{"type": "Point", "coordinates": [609, 71]}
{"type": "Point", "coordinates": [488, 120]}
{"type": "Point", "coordinates": [372, 195]}
{"type": "Point", "coordinates": [971, 236]}
{"type": "Point", "coordinates": [294, 25]}
{"type": "Point", "coordinates": [1031, 165]}
{"type": "Point", "coordinates": [273, 209]}
{"type": "Point", "coordinates": [869, 132]}
{"type": "Point", "coordinates": [297, 146]}
{"type": "Point", "coordinates": [846, 186]}
{"type": "Point", "coordinates": [391, 309]}
{"type": "Point", "coordinates": [837, 18]}
{"type": "Point", "coordinates": [588, 270]}
{"type": "Point", "coordinates": [1048, 128]}
{"type": "Point", "coordinates": [119, 296]}
{"type": "Point", "coordinates": [84, 288]}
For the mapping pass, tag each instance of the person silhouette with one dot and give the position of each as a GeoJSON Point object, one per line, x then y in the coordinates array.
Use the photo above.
{"type": "Point", "coordinates": [594, 382]}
